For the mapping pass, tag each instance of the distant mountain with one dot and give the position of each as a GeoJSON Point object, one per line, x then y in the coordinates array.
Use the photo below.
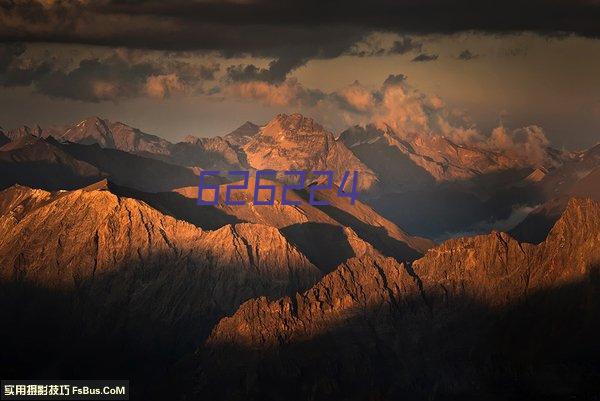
{"type": "Point", "coordinates": [132, 170]}
{"type": "Point", "coordinates": [437, 188]}
{"type": "Point", "coordinates": [302, 223]}
{"type": "Point", "coordinates": [206, 153]}
{"type": "Point", "coordinates": [579, 177]}
{"type": "Point", "coordinates": [49, 164]}
{"type": "Point", "coordinates": [295, 142]}
{"type": "Point", "coordinates": [213, 153]}
{"type": "Point", "coordinates": [560, 180]}
{"type": "Point", "coordinates": [243, 134]}
{"type": "Point", "coordinates": [94, 130]}
{"type": "Point", "coordinates": [37, 131]}
{"type": "Point", "coordinates": [403, 179]}
{"type": "Point", "coordinates": [485, 315]}
{"type": "Point", "coordinates": [42, 163]}
{"type": "Point", "coordinates": [405, 164]}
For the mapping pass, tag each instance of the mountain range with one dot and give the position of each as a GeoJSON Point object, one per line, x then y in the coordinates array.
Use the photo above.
{"type": "Point", "coordinates": [104, 252]}
{"type": "Point", "coordinates": [402, 178]}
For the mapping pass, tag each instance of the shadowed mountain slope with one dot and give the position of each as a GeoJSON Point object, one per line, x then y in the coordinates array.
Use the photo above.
{"type": "Point", "coordinates": [87, 272]}
{"type": "Point", "coordinates": [42, 163]}
{"type": "Point", "coordinates": [579, 177]}
{"type": "Point", "coordinates": [298, 221]}
{"type": "Point", "coordinates": [46, 163]}
{"type": "Point", "coordinates": [484, 317]}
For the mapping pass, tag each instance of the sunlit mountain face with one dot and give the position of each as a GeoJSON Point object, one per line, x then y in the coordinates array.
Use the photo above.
{"type": "Point", "coordinates": [263, 200]}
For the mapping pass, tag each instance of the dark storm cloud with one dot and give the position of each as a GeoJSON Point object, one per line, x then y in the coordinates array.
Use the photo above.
{"type": "Point", "coordinates": [422, 58]}
{"type": "Point", "coordinates": [467, 55]}
{"type": "Point", "coordinates": [290, 32]}
{"type": "Point", "coordinates": [96, 80]}
{"type": "Point", "coordinates": [394, 80]}
{"type": "Point", "coordinates": [373, 47]}
{"type": "Point", "coordinates": [277, 70]}
{"type": "Point", "coordinates": [251, 25]}
{"type": "Point", "coordinates": [405, 45]}
{"type": "Point", "coordinates": [115, 77]}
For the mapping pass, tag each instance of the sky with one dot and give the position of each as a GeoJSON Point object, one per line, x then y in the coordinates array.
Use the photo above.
{"type": "Point", "coordinates": [174, 68]}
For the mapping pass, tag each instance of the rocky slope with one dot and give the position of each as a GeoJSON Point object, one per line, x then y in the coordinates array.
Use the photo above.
{"type": "Point", "coordinates": [42, 163]}
{"type": "Point", "coordinates": [559, 181]}
{"type": "Point", "coordinates": [579, 177]}
{"type": "Point", "coordinates": [496, 268]}
{"type": "Point", "coordinates": [304, 223]}
{"type": "Point", "coordinates": [214, 153]}
{"type": "Point", "coordinates": [296, 142]}
{"type": "Point", "coordinates": [192, 152]}
{"type": "Point", "coordinates": [91, 233]}
{"type": "Point", "coordinates": [243, 134]}
{"type": "Point", "coordinates": [114, 136]}
{"type": "Point", "coordinates": [485, 316]}
{"type": "Point", "coordinates": [3, 138]}
{"type": "Point", "coordinates": [426, 157]}
{"type": "Point", "coordinates": [46, 163]}
{"type": "Point", "coordinates": [89, 272]}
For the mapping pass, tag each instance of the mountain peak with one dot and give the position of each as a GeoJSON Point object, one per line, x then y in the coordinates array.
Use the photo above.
{"type": "Point", "coordinates": [191, 139]}
{"type": "Point", "coordinates": [93, 120]}
{"type": "Point", "coordinates": [242, 134]}
{"type": "Point", "coordinates": [248, 125]}
{"type": "Point", "coordinates": [293, 125]}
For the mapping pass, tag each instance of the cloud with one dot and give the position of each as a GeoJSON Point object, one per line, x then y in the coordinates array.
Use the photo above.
{"type": "Point", "coordinates": [287, 32]}
{"type": "Point", "coordinates": [423, 58]}
{"type": "Point", "coordinates": [466, 55]}
{"type": "Point", "coordinates": [375, 45]}
{"type": "Point", "coordinates": [405, 45]}
{"type": "Point", "coordinates": [276, 72]}
{"type": "Point", "coordinates": [288, 93]}
{"type": "Point", "coordinates": [161, 86]}
{"type": "Point", "coordinates": [409, 113]}
{"type": "Point", "coordinates": [514, 52]}
{"type": "Point", "coordinates": [120, 75]}
{"type": "Point", "coordinates": [525, 143]}
{"type": "Point", "coordinates": [354, 98]}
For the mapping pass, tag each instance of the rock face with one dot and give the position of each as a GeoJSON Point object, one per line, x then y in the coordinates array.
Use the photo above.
{"type": "Point", "coordinates": [428, 157]}
{"type": "Point", "coordinates": [114, 136]}
{"type": "Point", "coordinates": [496, 268]}
{"type": "Point", "coordinates": [105, 232]}
{"type": "Point", "coordinates": [243, 134]}
{"type": "Point", "coordinates": [46, 163]}
{"type": "Point", "coordinates": [3, 138]}
{"type": "Point", "coordinates": [305, 224]}
{"type": "Point", "coordinates": [361, 283]}
{"type": "Point", "coordinates": [296, 142]}
{"type": "Point", "coordinates": [106, 272]}
{"type": "Point", "coordinates": [579, 177]}
{"type": "Point", "coordinates": [42, 163]}
{"type": "Point", "coordinates": [485, 316]}
{"type": "Point", "coordinates": [209, 153]}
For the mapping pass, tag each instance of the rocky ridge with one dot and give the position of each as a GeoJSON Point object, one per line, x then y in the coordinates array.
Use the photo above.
{"type": "Point", "coordinates": [122, 252]}
{"type": "Point", "coordinates": [373, 326]}
{"type": "Point", "coordinates": [295, 142]}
